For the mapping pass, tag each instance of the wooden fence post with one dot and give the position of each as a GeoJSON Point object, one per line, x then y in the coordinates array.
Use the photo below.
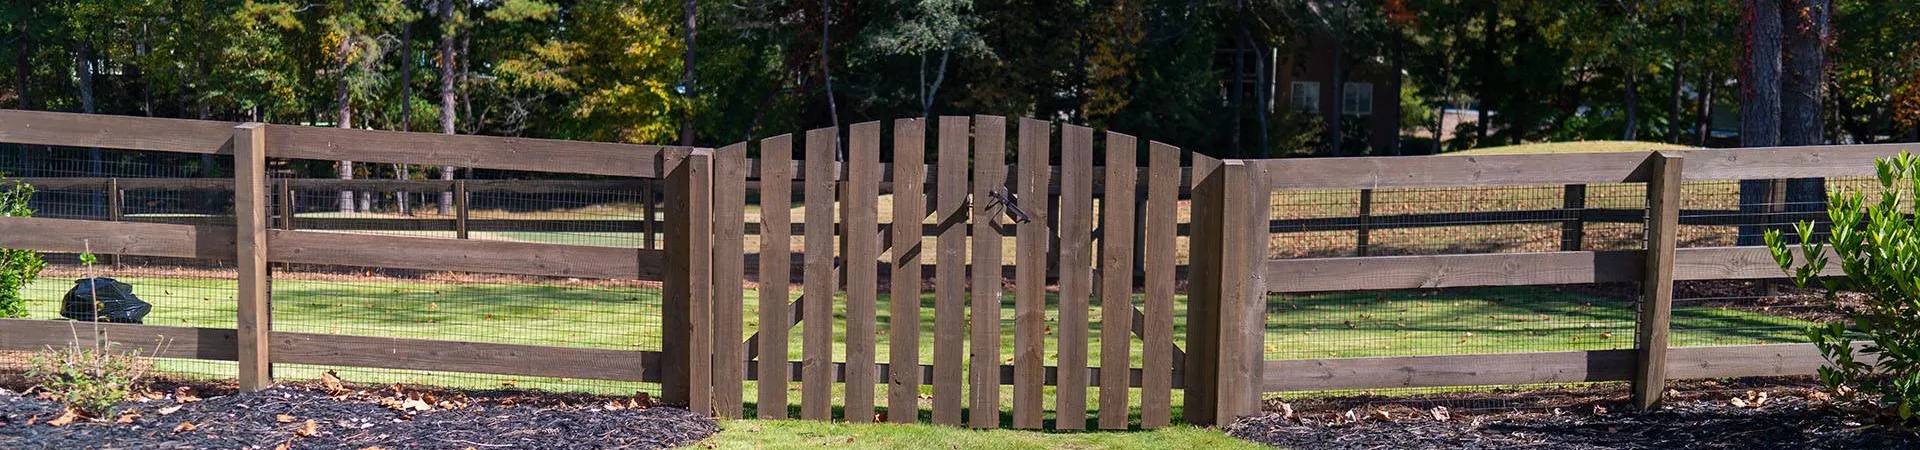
{"type": "Point", "coordinates": [1656, 298]}
{"type": "Point", "coordinates": [1243, 291]}
{"type": "Point", "coordinates": [253, 312]}
{"type": "Point", "coordinates": [116, 208]}
{"type": "Point", "coordinates": [1366, 222]}
{"type": "Point", "coordinates": [287, 204]}
{"type": "Point", "coordinates": [686, 322]}
{"type": "Point", "coordinates": [1203, 298]}
{"type": "Point", "coordinates": [461, 213]}
{"type": "Point", "coordinates": [1573, 231]}
{"type": "Point", "coordinates": [1226, 316]}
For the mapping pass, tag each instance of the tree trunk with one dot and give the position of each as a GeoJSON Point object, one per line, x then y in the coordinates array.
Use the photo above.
{"type": "Point", "coordinates": [826, 68]}
{"type": "Point", "coordinates": [402, 199]}
{"type": "Point", "coordinates": [1632, 129]}
{"type": "Point", "coordinates": [345, 116]}
{"type": "Point", "coordinates": [1395, 81]}
{"type": "Point", "coordinates": [1263, 97]}
{"type": "Point", "coordinates": [1801, 103]}
{"type": "Point", "coordinates": [1237, 91]}
{"type": "Point", "coordinates": [687, 78]}
{"type": "Point", "coordinates": [1804, 73]}
{"type": "Point", "coordinates": [1703, 124]}
{"type": "Point", "coordinates": [23, 56]}
{"type": "Point", "coordinates": [1673, 115]}
{"type": "Point", "coordinates": [1338, 94]}
{"type": "Point", "coordinates": [448, 94]}
{"type": "Point", "coordinates": [1480, 124]}
{"type": "Point", "coordinates": [1759, 103]}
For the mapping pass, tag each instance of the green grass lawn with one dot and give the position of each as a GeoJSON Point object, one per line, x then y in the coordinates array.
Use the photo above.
{"type": "Point", "coordinates": [1402, 323]}
{"type": "Point", "coordinates": [1574, 147]}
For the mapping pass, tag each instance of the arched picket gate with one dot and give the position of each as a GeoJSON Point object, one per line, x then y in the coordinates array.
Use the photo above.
{"type": "Point", "coordinates": [967, 203]}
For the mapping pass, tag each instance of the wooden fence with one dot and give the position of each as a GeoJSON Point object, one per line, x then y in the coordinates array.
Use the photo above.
{"type": "Point", "coordinates": [990, 180]}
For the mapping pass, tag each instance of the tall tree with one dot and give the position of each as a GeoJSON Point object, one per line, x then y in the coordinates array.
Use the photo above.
{"type": "Point", "coordinates": [1759, 100]}
{"type": "Point", "coordinates": [449, 31]}
{"type": "Point", "coordinates": [1802, 100]}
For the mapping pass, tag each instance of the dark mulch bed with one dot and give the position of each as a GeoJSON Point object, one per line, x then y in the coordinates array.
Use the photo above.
{"type": "Point", "coordinates": [1701, 416]}
{"type": "Point", "coordinates": [355, 420]}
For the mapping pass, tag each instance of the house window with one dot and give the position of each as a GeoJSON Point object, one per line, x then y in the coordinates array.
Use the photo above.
{"type": "Point", "coordinates": [1357, 99]}
{"type": "Point", "coordinates": [1306, 96]}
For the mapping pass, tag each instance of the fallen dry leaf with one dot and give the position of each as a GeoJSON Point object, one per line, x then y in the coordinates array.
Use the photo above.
{"type": "Point", "coordinates": [1738, 403]}
{"type": "Point", "coordinates": [66, 418]}
{"type": "Point", "coordinates": [127, 416]}
{"type": "Point", "coordinates": [1382, 414]}
{"type": "Point", "coordinates": [332, 382]}
{"type": "Point", "coordinates": [1599, 410]}
{"type": "Point", "coordinates": [415, 405]}
{"type": "Point", "coordinates": [1440, 413]}
{"type": "Point", "coordinates": [283, 418]}
{"type": "Point", "coordinates": [184, 394]}
{"type": "Point", "coordinates": [185, 426]}
{"type": "Point", "coordinates": [308, 429]}
{"type": "Point", "coordinates": [169, 410]}
{"type": "Point", "coordinates": [288, 445]}
{"type": "Point", "coordinates": [1286, 410]}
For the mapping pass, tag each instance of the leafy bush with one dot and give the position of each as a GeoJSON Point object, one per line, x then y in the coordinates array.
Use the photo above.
{"type": "Point", "coordinates": [18, 268]}
{"type": "Point", "coordinates": [1878, 246]}
{"type": "Point", "coordinates": [88, 379]}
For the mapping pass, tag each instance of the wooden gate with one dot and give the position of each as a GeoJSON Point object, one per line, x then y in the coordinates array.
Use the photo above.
{"type": "Point", "coordinates": [987, 205]}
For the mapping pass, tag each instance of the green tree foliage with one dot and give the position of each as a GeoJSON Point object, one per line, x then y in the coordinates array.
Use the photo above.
{"type": "Point", "coordinates": [18, 268]}
{"type": "Point", "coordinates": [1160, 69]}
{"type": "Point", "coordinates": [1878, 248]}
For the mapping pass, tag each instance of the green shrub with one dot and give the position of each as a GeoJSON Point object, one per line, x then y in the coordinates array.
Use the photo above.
{"type": "Point", "coordinates": [88, 379]}
{"type": "Point", "coordinates": [18, 268]}
{"type": "Point", "coordinates": [1878, 247]}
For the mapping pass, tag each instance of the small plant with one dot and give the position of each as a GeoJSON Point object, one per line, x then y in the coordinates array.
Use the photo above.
{"type": "Point", "coordinates": [1878, 247]}
{"type": "Point", "coordinates": [89, 379]}
{"type": "Point", "coordinates": [18, 268]}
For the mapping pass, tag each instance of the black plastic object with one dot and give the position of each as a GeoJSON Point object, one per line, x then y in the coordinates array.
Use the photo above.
{"type": "Point", "coordinates": [116, 300]}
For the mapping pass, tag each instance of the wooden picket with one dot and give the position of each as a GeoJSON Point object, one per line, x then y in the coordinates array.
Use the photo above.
{"type": "Point", "coordinates": [1163, 188]}
{"type": "Point", "coordinates": [989, 175]}
{"type": "Point", "coordinates": [1076, 273]}
{"type": "Point", "coordinates": [729, 263]}
{"type": "Point", "coordinates": [816, 379]}
{"type": "Point", "coordinates": [862, 264]}
{"type": "Point", "coordinates": [1030, 277]}
{"type": "Point", "coordinates": [776, 272]}
{"type": "Point", "coordinates": [903, 323]}
{"type": "Point", "coordinates": [950, 279]}
{"type": "Point", "coordinates": [1116, 277]}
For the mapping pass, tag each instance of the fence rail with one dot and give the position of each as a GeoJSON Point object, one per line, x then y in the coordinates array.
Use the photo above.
{"type": "Point", "coordinates": [1109, 234]}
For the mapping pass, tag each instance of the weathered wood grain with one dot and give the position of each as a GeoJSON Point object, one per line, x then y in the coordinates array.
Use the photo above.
{"type": "Point", "coordinates": [1163, 187]}
{"type": "Point", "coordinates": [985, 299]}
{"type": "Point", "coordinates": [729, 267]}
{"type": "Point", "coordinates": [903, 323]}
{"type": "Point", "coordinates": [1076, 273]}
{"type": "Point", "coordinates": [950, 282]}
{"type": "Point", "coordinates": [817, 330]}
{"type": "Point", "coordinates": [1116, 278]}
{"type": "Point", "coordinates": [481, 152]}
{"type": "Point", "coordinates": [862, 266]}
{"type": "Point", "coordinates": [1030, 277]}
{"type": "Point", "coordinates": [775, 274]}
{"type": "Point", "coordinates": [254, 318]}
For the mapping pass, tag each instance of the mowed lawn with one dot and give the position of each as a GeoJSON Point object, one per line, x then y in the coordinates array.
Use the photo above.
{"type": "Point", "coordinates": [1397, 323]}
